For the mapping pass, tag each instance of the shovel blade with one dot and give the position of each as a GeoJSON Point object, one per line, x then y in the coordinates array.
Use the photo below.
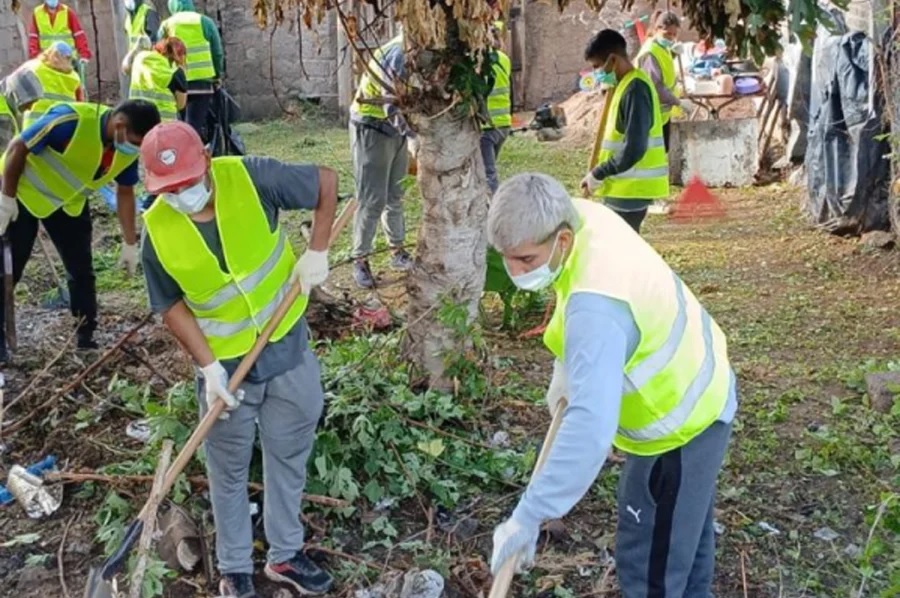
{"type": "Point", "coordinates": [97, 587]}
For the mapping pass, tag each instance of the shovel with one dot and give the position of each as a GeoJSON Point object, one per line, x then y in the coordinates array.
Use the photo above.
{"type": "Point", "coordinates": [62, 299]}
{"type": "Point", "coordinates": [100, 580]}
{"type": "Point", "coordinates": [9, 295]}
{"type": "Point", "coordinates": [504, 578]}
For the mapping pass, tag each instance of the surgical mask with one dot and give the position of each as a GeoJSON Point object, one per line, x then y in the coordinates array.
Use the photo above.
{"type": "Point", "coordinates": [51, 3]}
{"type": "Point", "coordinates": [191, 200]}
{"type": "Point", "coordinates": [539, 278]}
{"type": "Point", "coordinates": [665, 43]}
{"type": "Point", "coordinates": [129, 5]}
{"type": "Point", "coordinates": [126, 147]}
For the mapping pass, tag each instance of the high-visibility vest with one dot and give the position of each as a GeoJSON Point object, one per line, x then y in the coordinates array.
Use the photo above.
{"type": "Point", "coordinates": [136, 24]}
{"type": "Point", "coordinates": [55, 87]}
{"type": "Point", "coordinates": [666, 68]}
{"type": "Point", "coordinates": [649, 178]}
{"type": "Point", "coordinates": [369, 88]}
{"type": "Point", "coordinates": [188, 27]}
{"type": "Point", "coordinates": [232, 307]}
{"type": "Point", "coordinates": [53, 180]}
{"type": "Point", "coordinates": [58, 31]}
{"type": "Point", "coordinates": [678, 378]}
{"type": "Point", "coordinates": [151, 74]}
{"type": "Point", "coordinates": [499, 102]}
{"type": "Point", "coordinates": [8, 119]}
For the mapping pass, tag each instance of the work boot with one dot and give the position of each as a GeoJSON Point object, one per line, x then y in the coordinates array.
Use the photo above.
{"type": "Point", "coordinates": [362, 274]}
{"type": "Point", "coordinates": [302, 574]}
{"type": "Point", "coordinates": [401, 260]}
{"type": "Point", "coordinates": [237, 585]}
{"type": "Point", "coordinates": [86, 341]}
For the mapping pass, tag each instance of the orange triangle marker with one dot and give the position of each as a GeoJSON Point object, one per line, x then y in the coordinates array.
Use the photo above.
{"type": "Point", "coordinates": [696, 202]}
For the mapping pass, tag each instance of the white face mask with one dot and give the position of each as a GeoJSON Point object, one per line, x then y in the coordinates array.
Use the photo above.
{"type": "Point", "coordinates": [539, 278]}
{"type": "Point", "coordinates": [191, 200]}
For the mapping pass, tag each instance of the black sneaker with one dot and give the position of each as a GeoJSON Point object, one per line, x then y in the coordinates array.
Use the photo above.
{"type": "Point", "coordinates": [87, 342]}
{"type": "Point", "coordinates": [302, 574]}
{"type": "Point", "coordinates": [237, 585]}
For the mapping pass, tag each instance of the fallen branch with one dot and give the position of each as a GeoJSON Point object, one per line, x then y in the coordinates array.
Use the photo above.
{"type": "Point", "coordinates": [146, 363]}
{"type": "Point", "coordinates": [59, 558]}
{"type": "Point", "coordinates": [46, 368]}
{"type": "Point", "coordinates": [344, 555]}
{"type": "Point", "coordinates": [156, 496]}
{"type": "Point", "coordinates": [80, 377]}
{"type": "Point", "coordinates": [76, 478]}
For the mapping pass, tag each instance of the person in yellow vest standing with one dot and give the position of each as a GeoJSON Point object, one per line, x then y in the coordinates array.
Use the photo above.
{"type": "Point", "coordinates": [499, 106]}
{"type": "Point", "coordinates": [48, 172]}
{"type": "Point", "coordinates": [632, 168]}
{"type": "Point", "coordinates": [204, 68]}
{"type": "Point", "coordinates": [52, 22]}
{"type": "Point", "coordinates": [59, 81]}
{"type": "Point", "coordinates": [141, 20]}
{"type": "Point", "coordinates": [378, 142]}
{"type": "Point", "coordinates": [643, 367]}
{"type": "Point", "coordinates": [655, 58]}
{"type": "Point", "coordinates": [156, 76]}
{"type": "Point", "coordinates": [217, 263]}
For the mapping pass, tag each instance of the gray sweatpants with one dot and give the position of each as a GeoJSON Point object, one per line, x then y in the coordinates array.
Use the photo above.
{"type": "Point", "coordinates": [491, 143]}
{"type": "Point", "coordinates": [380, 162]}
{"type": "Point", "coordinates": [286, 409]}
{"type": "Point", "coordinates": [665, 541]}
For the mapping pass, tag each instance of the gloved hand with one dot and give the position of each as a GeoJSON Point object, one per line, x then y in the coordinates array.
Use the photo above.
{"type": "Point", "coordinates": [311, 269]}
{"type": "Point", "coordinates": [513, 538]}
{"type": "Point", "coordinates": [128, 258]}
{"type": "Point", "coordinates": [589, 184]}
{"type": "Point", "coordinates": [9, 211]}
{"type": "Point", "coordinates": [215, 383]}
{"type": "Point", "coordinates": [559, 386]}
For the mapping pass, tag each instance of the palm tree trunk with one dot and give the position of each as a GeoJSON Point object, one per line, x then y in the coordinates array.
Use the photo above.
{"type": "Point", "coordinates": [450, 254]}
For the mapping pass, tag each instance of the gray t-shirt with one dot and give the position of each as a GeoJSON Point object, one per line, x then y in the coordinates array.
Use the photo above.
{"type": "Point", "coordinates": [280, 187]}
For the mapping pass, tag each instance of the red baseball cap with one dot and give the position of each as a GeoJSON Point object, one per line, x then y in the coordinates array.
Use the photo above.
{"type": "Point", "coordinates": [173, 155]}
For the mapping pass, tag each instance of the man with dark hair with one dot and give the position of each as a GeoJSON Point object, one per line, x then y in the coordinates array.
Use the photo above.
{"type": "Point", "coordinates": [49, 170]}
{"type": "Point", "coordinates": [632, 168]}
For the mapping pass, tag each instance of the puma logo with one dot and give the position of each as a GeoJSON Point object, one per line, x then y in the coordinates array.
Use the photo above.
{"type": "Point", "coordinates": [637, 514]}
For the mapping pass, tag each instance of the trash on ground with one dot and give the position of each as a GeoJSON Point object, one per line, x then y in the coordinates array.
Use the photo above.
{"type": "Point", "coordinates": [768, 528]}
{"type": "Point", "coordinates": [30, 492]}
{"type": "Point", "coordinates": [422, 584]}
{"type": "Point", "coordinates": [500, 439]}
{"type": "Point", "coordinates": [826, 533]}
{"type": "Point", "coordinates": [718, 528]}
{"type": "Point", "coordinates": [139, 430]}
{"type": "Point", "coordinates": [37, 469]}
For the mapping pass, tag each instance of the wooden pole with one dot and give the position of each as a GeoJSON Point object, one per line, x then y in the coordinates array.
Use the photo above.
{"type": "Point", "coordinates": [156, 496]}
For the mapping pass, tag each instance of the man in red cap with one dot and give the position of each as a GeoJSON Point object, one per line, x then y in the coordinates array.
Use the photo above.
{"type": "Point", "coordinates": [217, 264]}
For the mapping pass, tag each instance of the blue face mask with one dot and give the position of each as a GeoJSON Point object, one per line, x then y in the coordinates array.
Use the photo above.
{"type": "Point", "coordinates": [126, 148]}
{"type": "Point", "coordinates": [51, 3]}
{"type": "Point", "coordinates": [665, 43]}
{"type": "Point", "coordinates": [539, 278]}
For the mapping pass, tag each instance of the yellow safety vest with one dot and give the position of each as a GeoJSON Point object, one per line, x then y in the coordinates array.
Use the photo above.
{"type": "Point", "coordinates": [55, 87]}
{"type": "Point", "coordinates": [136, 24]}
{"type": "Point", "coordinates": [6, 114]}
{"type": "Point", "coordinates": [231, 307]}
{"type": "Point", "coordinates": [58, 31]}
{"type": "Point", "coordinates": [188, 27]}
{"type": "Point", "coordinates": [369, 88]}
{"type": "Point", "coordinates": [151, 74]}
{"type": "Point", "coordinates": [678, 379]}
{"type": "Point", "coordinates": [666, 68]}
{"type": "Point", "coordinates": [53, 180]}
{"type": "Point", "coordinates": [649, 178]}
{"type": "Point", "coordinates": [499, 103]}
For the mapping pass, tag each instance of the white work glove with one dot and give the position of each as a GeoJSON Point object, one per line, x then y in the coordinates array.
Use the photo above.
{"type": "Point", "coordinates": [512, 538]}
{"type": "Point", "coordinates": [215, 383]}
{"type": "Point", "coordinates": [559, 386]}
{"type": "Point", "coordinates": [589, 184]}
{"type": "Point", "coordinates": [311, 269]}
{"type": "Point", "coordinates": [128, 258]}
{"type": "Point", "coordinates": [9, 211]}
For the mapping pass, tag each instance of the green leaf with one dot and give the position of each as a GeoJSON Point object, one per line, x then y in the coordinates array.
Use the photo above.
{"type": "Point", "coordinates": [434, 448]}
{"type": "Point", "coordinates": [21, 540]}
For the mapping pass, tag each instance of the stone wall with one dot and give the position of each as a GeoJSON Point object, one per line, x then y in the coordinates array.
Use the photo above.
{"type": "Point", "coordinates": [555, 42]}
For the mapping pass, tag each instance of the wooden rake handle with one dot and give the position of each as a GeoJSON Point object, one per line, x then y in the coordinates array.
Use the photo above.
{"type": "Point", "coordinates": [601, 127]}
{"type": "Point", "coordinates": [234, 383]}
{"type": "Point", "coordinates": [503, 579]}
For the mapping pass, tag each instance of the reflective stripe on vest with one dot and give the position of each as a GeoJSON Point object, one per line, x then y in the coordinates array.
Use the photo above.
{"type": "Point", "coordinates": [58, 31]}
{"type": "Point", "coordinates": [649, 177]}
{"type": "Point", "coordinates": [135, 25]}
{"type": "Point", "coordinates": [188, 27]}
{"type": "Point", "coordinates": [666, 63]}
{"type": "Point", "coordinates": [231, 307]}
{"type": "Point", "coordinates": [53, 180]}
{"type": "Point", "coordinates": [151, 74]}
{"type": "Point", "coordinates": [499, 104]}
{"type": "Point", "coordinates": [678, 378]}
{"type": "Point", "coordinates": [369, 88]}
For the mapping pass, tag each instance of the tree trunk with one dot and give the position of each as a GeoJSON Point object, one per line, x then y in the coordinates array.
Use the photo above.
{"type": "Point", "coordinates": [450, 254]}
